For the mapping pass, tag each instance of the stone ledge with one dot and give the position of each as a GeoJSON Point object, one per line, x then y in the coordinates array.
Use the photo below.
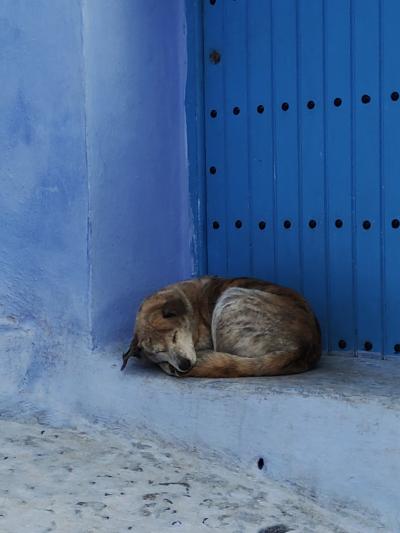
{"type": "Point", "coordinates": [342, 377]}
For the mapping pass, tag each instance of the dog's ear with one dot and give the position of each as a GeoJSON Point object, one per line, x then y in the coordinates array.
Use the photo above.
{"type": "Point", "coordinates": [133, 351]}
{"type": "Point", "coordinates": [172, 308]}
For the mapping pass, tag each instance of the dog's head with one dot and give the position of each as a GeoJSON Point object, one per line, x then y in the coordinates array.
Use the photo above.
{"type": "Point", "coordinates": [163, 331]}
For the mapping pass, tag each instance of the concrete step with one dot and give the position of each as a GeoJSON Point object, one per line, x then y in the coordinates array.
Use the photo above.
{"type": "Point", "coordinates": [332, 434]}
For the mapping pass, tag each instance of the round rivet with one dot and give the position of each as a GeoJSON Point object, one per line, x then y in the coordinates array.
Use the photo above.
{"type": "Point", "coordinates": [397, 348]}
{"type": "Point", "coordinates": [394, 96]}
{"type": "Point", "coordinates": [287, 224]}
{"type": "Point", "coordinates": [285, 106]}
{"type": "Point", "coordinates": [368, 346]}
{"type": "Point", "coordinates": [238, 224]}
{"type": "Point", "coordinates": [366, 224]}
{"type": "Point", "coordinates": [260, 109]}
{"type": "Point", "coordinates": [236, 110]}
{"type": "Point", "coordinates": [215, 224]}
{"type": "Point", "coordinates": [262, 224]}
{"type": "Point", "coordinates": [395, 223]}
{"type": "Point", "coordinates": [365, 99]}
{"type": "Point", "coordinates": [342, 344]}
{"type": "Point", "coordinates": [311, 104]}
{"type": "Point", "coordinates": [260, 463]}
{"type": "Point", "coordinates": [215, 57]}
{"type": "Point", "coordinates": [338, 223]}
{"type": "Point", "coordinates": [312, 224]}
{"type": "Point", "coordinates": [213, 113]}
{"type": "Point", "coordinates": [337, 102]}
{"type": "Point", "coordinates": [213, 170]}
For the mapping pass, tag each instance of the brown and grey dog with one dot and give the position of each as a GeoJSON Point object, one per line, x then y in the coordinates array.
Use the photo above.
{"type": "Point", "coordinates": [215, 327]}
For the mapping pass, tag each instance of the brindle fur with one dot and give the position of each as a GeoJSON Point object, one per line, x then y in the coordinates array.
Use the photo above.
{"type": "Point", "coordinates": [219, 328]}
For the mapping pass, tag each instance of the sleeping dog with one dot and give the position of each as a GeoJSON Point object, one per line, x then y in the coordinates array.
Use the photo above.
{"type": "Point", "coordinates": [217, 328]}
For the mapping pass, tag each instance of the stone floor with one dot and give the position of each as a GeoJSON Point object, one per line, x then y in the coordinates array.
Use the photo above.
{"type": "Point", "coordinates": [95, 479]}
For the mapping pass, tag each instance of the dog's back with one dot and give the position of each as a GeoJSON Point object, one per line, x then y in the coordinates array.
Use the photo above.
{"type": "Point", "coordinates": [258, 328]}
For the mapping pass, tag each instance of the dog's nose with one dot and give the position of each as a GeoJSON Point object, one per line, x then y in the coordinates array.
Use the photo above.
{"type": "Point", "coordinates": [184, 364]}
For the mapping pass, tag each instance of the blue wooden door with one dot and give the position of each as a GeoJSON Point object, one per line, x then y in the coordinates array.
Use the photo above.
{"type": "Point", "coordinates": [302, 138]}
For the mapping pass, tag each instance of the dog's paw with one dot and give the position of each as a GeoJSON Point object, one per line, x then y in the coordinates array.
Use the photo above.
{"type": "Point", "coordinates": [170, 370]}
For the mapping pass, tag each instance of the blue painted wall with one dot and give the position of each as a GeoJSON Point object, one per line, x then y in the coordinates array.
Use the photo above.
{"type": "Point", "coordinates": [43, 195]}
{"type": "Point", "coordinates": [136, 73]}
{"type": "Point", "coordinates": [94, 210]}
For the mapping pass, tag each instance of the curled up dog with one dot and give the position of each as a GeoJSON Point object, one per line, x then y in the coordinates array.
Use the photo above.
{"type": "Point", "coordinates": [216, 327]}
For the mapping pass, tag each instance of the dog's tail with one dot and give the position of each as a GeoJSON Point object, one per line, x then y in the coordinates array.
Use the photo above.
{"type": "Point", "coordinates": [223, 365]}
